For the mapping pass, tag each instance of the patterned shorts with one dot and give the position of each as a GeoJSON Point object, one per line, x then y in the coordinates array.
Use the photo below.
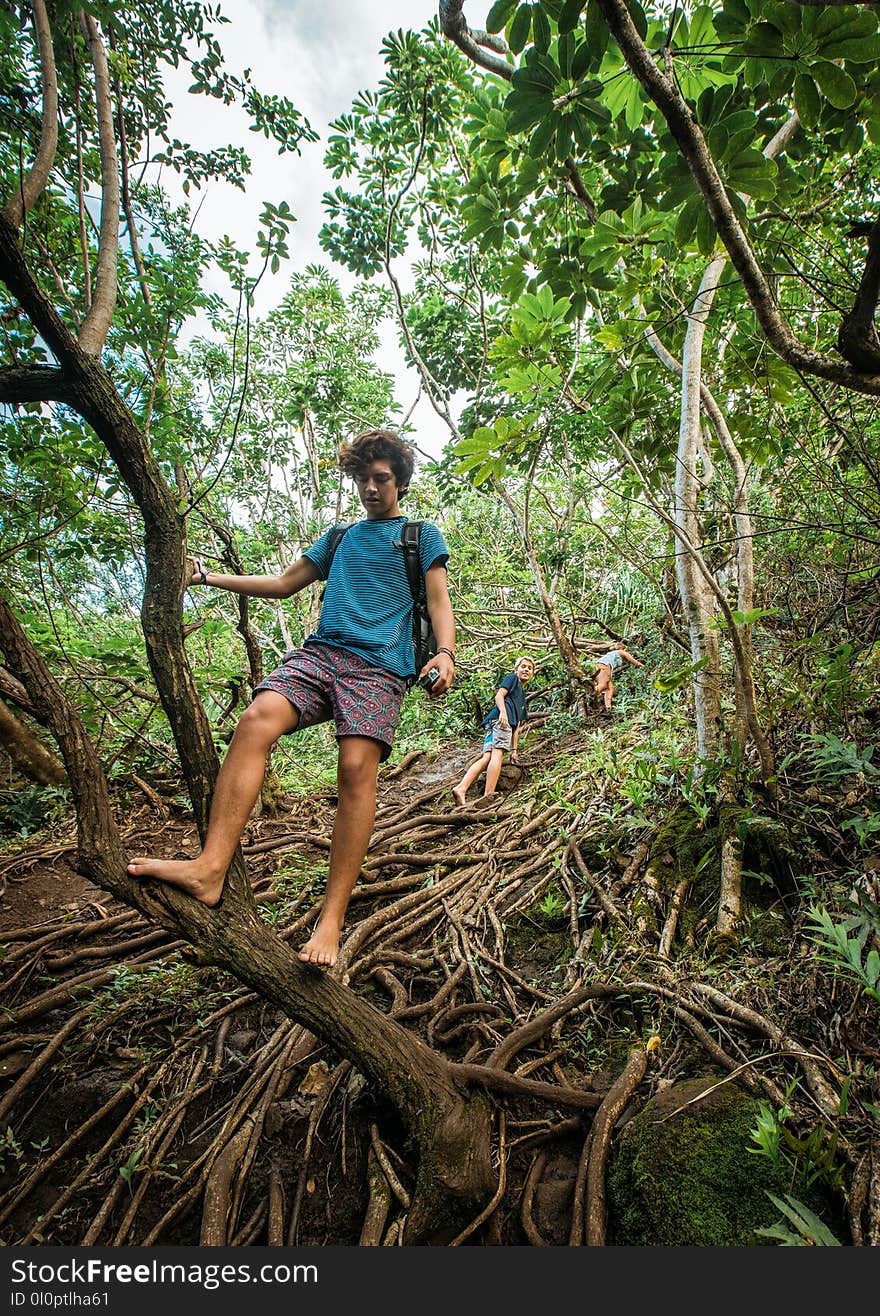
{"type": "Point", "coordinates": [325, 684]}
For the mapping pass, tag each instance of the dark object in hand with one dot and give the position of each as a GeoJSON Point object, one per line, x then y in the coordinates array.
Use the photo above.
{"type": "Point", "coordinates": [428, 681]}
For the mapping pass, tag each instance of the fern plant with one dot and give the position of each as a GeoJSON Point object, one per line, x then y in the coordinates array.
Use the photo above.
{"type": "Point", "coordinates": [847, 954]}
{"type": "Point", "coordinates": [834, 758]}
{"type": "Point", "coordinates": [808, 1231]}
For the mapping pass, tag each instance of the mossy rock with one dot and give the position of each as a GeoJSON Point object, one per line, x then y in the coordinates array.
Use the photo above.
{"type": "Point", "coordinates": [682, 1175]}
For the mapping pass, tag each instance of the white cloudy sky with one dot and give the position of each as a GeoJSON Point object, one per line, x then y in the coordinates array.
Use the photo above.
{"type": "Point", "coordinates": [319, 53]}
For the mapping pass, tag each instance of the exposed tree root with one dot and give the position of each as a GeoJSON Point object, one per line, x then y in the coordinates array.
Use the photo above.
{"type": "Point", "coordinates": [495, 936]}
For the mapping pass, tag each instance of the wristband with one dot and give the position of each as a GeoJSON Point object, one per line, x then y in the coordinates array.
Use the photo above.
{"type": "Point", "coordinates": [203, 577]}
{"type": "Point", "coordinates": [443, 649]}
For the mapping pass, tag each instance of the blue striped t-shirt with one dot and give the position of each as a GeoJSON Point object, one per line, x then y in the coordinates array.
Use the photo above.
{"type": "Point", "coordinates": [367, 606]}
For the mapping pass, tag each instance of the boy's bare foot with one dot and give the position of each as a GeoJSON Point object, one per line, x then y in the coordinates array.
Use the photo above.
{"type": "Point", "coordinates": [458, 795]}
{"type": "Point", "coordinates": [191, 875]}
{"type": "Point", "coordinates": [322, 948]}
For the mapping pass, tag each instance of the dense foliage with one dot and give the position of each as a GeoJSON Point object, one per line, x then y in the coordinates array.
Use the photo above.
{"type": "Point", "coordinates": [633, 255]}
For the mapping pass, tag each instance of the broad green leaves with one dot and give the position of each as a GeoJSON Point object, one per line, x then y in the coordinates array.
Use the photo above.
{"type": "Point", "coordinates": [803, 48]}
{"type": "Point", "coordinates": [499, 14]}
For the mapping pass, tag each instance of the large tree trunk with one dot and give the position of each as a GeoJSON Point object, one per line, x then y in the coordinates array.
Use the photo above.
{"type": "Point", "coordinates": [448, 1126]}
{"type": "Point", "coordinates": [82, 383]}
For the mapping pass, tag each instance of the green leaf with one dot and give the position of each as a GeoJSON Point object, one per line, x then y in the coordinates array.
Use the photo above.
{"type": "Point", "coordinates": [837, 86]}
{"type": "Point", "coordinates": [534, 78]}
{"type": "Point", "coordinates": [851, 138]}
{"type": "Point", "coordinates": [831, 25]}
{"type": "Point", "coordinates": [571, 12]}
{"type": "Point", "coordinates": [580, 61]}
{"type": "Point", "coordinates": [753, 180]}
{"type": "Point", "coordinates": [805, 1221]}
{"type": "Point", "coordinates": [639, 18]}
{"type": "Point", "coordinates": [676, 679]}
{"type": "Point", "coordinates": [872, 967]}
{"type": "Point", "coordinates": [526, 109]}
{"type": "Point", "coordinates": [610, 338]}
{"type": "Point", "coordinates": [499, 14]}
{"type": "Point", "coordinates": [540, 28]}
{"type": "Point", "coordinates": [634, 110]}
{"type": "Point", "coordinates": [807, 100]}
{"type": "Point", "coordinates": [582, 130]}
{"type": "Point", "coordinates": [520, 28]}
{"type": "Point", "coordinates": [743, 618]}
{"type": "Point", "coordinates": [764, 40]}
{"type": "Point", "coordinates": [858, 50]}
{"type": "Point", "coordinates": [702, 31]}
{"type": "Point", "coordinates": [565, 53]}
{"type": "Point", "coordinates": [481, 442]}
{"type": "Point", "coordinates": [707, 234]}
{"type": "Point", "coordinates": [543, 136]}
{"type": "Point", "coordinates": [563, 139]}
{"type": "Point", "coordinates": [596, 31]}
{"type": "Point", "coordinates": [686, 225]}
{"type": "Point", "coordinates": [754, 615]}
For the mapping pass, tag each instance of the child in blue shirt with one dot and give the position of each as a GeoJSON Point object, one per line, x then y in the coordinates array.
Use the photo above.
{"type": "Point", "coordinates": [502, 723]}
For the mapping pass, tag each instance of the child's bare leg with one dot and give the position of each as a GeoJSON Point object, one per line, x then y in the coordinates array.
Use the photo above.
{"type": "Point", "coordinates": [603, 681]}
{"type": "Point", "coordinates": [355, 814]}
{"type": "Point", "coordinates": [608, 694]}
{"type": "Point", "coordinates": [473, 771]}
{"type": "Point", "coordinates": [235, 793]}
{"type": "Point", "coordinates": [493, 772]}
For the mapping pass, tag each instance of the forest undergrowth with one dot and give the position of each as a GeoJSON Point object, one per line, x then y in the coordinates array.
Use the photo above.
{"type": "Point", "coordinates": [559, 933]}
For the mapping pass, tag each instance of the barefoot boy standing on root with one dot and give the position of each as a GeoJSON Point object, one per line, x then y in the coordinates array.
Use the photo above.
{"type": "Point", "coordinates": [502, 725]}
{"type": "Point", "coordinates": [355, 670]}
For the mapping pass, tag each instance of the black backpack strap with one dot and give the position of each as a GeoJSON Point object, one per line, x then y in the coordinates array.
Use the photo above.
{"type": "Point", "coordinates": [336, 535]}
{"type": "Point", "coordinates": [410, 536]}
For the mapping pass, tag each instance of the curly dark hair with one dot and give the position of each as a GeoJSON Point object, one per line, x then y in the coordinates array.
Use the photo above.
{"type": "Point", "coordinates": [379, 445]}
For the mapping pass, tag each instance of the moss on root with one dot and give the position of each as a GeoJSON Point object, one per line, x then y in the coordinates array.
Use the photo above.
{"type": "Point", "coordinates": [678, 847]}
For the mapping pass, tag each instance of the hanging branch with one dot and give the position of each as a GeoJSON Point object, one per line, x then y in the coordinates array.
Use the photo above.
{"type": "Point", "coordinates": [761, 744]}
{"type": "Point", "coordinates": [22, 201]}
{"type": "Point", "coordinates": [80, 180]}
{"type": "Point", "coordinates": [432, 389]}
{"type": "Point", "coordinates": [100, 314]}
{"type": "Point", "coordinates": [472, 41]}
{"type": "Point", "coordinates": [857, 339]}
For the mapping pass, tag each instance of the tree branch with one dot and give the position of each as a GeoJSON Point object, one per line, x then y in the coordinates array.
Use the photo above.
{"type": "Point", "coordinates": [575, 184]}
{"type": "Point", "coordinates": [32, 185]}
{"type": "Point", "coordinates": [34, 384]}
{"type": "Point", "coordinates": [472, 41]}
{"type": "Point", "coordinates": [100, 313]}
{"type": "Point", "coordinates": [127, 206]}
{"type": "Point", "coordinates": [684, 128]}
